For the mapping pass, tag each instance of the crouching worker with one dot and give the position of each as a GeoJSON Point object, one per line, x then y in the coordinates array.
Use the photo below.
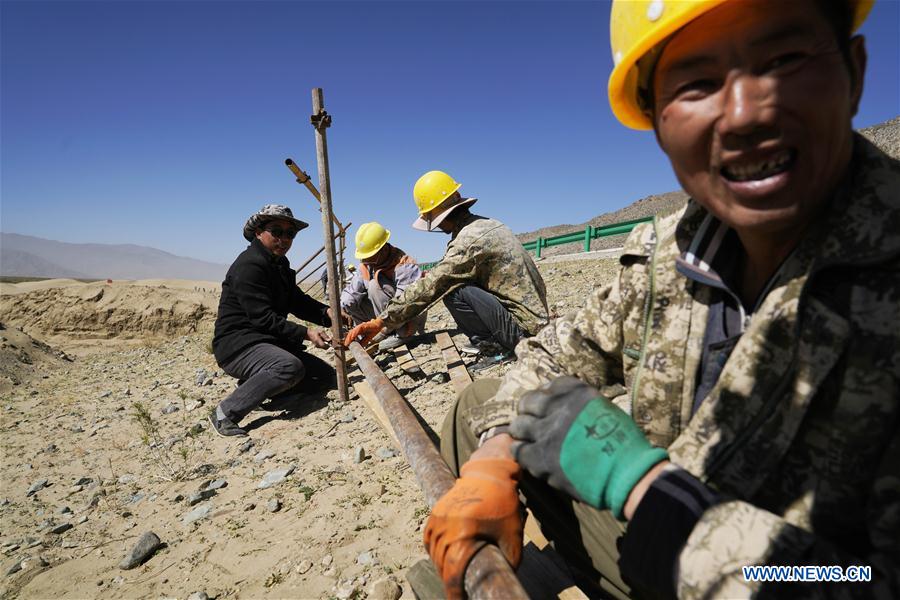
{"type": "Point", "coordinates": [385, 271]}
{"type": "Point", "coordinates": [254, 342]}
{"type": "Point", "coordinates": [489, 283]}
{"type": "Point", "coordinates": [732, 398]}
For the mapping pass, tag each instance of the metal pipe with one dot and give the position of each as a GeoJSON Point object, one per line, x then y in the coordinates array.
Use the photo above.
{"type": "Point", "coordinates": [303, 179]}
{"type": "Point", "coordinates": [319, 251]}
{"type": "Point", "coordinates": [312, 272]}
{"type": "Point", "coordinates": [309, 260]}
{"type": "Point", "coordinates": [488, 574]}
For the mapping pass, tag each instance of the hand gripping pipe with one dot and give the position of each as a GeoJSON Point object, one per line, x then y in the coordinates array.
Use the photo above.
{"type": "Point", "coordinates": [488, 574]}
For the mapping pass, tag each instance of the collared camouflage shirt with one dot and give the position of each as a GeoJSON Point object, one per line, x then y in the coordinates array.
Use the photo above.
{"type": "Point", "coordinates": [802, 428]}
{"type": "Point", "coordinates": [485, 253]}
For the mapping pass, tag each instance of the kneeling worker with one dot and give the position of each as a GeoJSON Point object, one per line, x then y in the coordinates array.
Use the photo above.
{"type": "Point", "coordinates": [385, 271]}
{"type": "Point", "coordinates": [488, 281]}
{"type": "Point", "coordinates": [254, 342]}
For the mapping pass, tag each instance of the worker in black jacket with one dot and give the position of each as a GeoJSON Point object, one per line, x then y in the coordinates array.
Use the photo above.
{"type": "Point", "coordinates": [253, 340]}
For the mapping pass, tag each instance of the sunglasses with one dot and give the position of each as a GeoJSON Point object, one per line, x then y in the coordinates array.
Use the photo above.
{"type": "Point", "coordinates": [282, 233]}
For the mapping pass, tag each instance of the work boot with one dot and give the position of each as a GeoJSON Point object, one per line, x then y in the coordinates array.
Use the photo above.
{"type": "Point", "coordinates": [225, 426]}
{"type": "Point", "coordinates": [390, 342]}
{"type": "Point", "coordinates": [492, 360]}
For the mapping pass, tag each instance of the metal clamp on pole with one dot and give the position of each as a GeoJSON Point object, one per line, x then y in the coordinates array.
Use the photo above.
{"type": "Point", "coordinates": [320, 120]}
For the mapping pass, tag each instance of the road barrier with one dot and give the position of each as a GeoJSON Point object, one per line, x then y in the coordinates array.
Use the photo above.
{"type": "Point", "coordinates": [585, 236]}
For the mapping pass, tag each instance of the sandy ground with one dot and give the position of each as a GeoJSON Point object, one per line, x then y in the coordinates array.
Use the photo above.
{"type": "Point", "coordinates": [80, 362]}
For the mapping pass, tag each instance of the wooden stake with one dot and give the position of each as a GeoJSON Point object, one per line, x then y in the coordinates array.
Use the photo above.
{"type": "Point", "coordinates": [321, 121]}
{"type": "Point", "coordinates": [459, 375]}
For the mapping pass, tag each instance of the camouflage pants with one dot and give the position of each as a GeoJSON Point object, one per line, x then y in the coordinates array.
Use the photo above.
{"type": "Point", "coordinates": [584, 536]}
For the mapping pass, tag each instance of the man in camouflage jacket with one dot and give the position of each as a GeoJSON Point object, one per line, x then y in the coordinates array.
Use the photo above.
{"type": "Point", "coordinates": [779, 416]}
{"type": "Point", "coordinates": [488, 281]}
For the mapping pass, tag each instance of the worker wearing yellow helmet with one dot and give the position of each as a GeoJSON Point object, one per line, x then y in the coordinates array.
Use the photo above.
{"type": "Point", "coordinates": [731, 399]}
{"type": "Point", "coordinates": [487, 280]}
{"type": "Point", "coordinates": [384, 271]}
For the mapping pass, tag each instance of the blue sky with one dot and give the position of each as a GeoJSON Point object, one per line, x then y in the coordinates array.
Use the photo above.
{"type": "Point", "coordinates": [166, 123]}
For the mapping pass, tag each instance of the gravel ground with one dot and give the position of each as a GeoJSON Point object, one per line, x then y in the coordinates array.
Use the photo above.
{"type": "Point", "coordinates": [103, 449]}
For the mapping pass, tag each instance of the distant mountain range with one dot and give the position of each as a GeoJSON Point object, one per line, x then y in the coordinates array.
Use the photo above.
{"type": "Point", "coordinates": [27, 256]}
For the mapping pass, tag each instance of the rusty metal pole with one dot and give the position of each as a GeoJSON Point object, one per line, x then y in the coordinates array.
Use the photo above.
{"type": "Point", "coordinates": [488, 574]}
{"type": "Point", "coordinates": [321, 120]}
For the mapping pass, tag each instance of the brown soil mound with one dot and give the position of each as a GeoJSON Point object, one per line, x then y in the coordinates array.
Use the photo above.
{"type": "Point", "coordinates": [23, 358]}
{"type": "Point", "coordinates": [100, 310]}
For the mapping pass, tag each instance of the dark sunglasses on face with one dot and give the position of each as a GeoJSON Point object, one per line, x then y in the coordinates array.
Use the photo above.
{"type": "Point", "coordinates": [282, 233]}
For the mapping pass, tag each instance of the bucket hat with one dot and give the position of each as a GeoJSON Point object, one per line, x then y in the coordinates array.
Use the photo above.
{"type": "Point", "coordinates": [270, 212]}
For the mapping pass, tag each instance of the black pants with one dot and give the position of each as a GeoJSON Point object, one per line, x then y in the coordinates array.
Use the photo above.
{"type": "Point", "coordinates": [479, 315]}
{"type": "Point", "coordinates": [267, 371]}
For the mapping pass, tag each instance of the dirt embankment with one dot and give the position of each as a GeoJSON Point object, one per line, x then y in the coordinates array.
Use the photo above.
{"type": "Point", "coordinates": [102, 311]}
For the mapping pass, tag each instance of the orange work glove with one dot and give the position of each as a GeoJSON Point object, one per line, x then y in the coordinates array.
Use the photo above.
{"type": "Point", "coordinates": [481, 507]}
{"type": "Point", "coordinates": [367, 330]}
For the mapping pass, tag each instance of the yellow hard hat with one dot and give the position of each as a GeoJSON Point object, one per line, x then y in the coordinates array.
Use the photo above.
{"type": "Point", "coordinates": [370, 237]}
{"type": "Point", "coordinates": [432, 189]}
{"type": "Point", "coordinates": [636, 27]}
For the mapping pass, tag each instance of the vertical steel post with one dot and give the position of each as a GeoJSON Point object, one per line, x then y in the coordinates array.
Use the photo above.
{"type": "Point", "coordinates": [587, 238]}
{"type": "Point", "coordinates": [537, 247]}
{"type": "Point", "coordinates": [321, 120]}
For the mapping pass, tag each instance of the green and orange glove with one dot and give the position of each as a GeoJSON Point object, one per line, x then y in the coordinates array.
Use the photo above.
{"type": "Point", "coordinates": [577, 441]}
{"type": "Point", "coordinates": [366, 331]}
{"type": "Point", "coordinates": [482, 507]}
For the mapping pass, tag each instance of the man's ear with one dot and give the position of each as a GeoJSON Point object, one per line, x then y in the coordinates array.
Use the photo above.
{"type": "Point", "coordinates": [857, 65]}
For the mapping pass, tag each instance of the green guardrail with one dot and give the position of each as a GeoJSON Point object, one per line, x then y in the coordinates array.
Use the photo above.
{"type": "Point", "coordinates": [589, 233]}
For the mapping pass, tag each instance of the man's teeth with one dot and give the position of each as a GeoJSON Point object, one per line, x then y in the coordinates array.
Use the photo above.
{"type": "Point", "coordinates": [759, 170]}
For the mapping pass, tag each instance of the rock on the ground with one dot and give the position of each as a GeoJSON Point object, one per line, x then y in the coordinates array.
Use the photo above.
{"type": "Point", "coordinates": [263, 455]}
{"type": "Point", "coordinates": [274, 477]}
{"type": "Point", "coordinates": [302, 567]}
{"type": "Point", "coordinates": [201, 512]}
{"type": "Point", "coordinates": [61, 528]}
{"type": "Point", "coordinates": [345, 590]}
{"type": "Point", "coordinates": [359, 454]}
{"type": "Point", "coordinates": [217, 484]}
{"type": "Point", "coordinates": [385, 453]}
{"type": "Point", "coordinates": [198, 596]}
{"type": "Point", "coordinates": [142, 550]}
{"type": "Point", "coordinates": [34, 562]}
{"type": "Point", "coordinates": [386, 588]}
{"type": "Point", "coordinates": [37, 486]}
{"type": "Point", "coordinates": [273, 505]}
{"type": "Point", "coordinates": [198, 497]}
